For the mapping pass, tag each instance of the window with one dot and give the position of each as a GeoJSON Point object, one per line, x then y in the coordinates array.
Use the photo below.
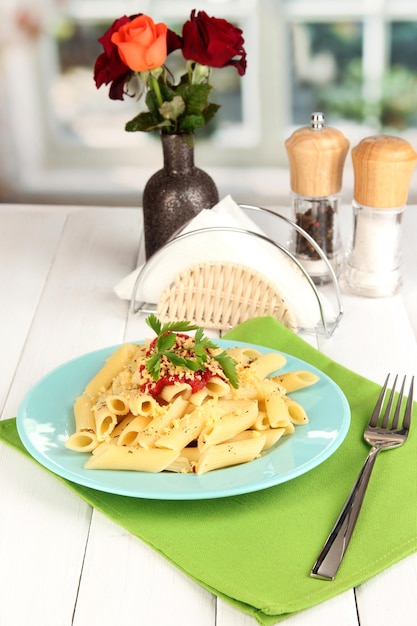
{"type": "Point", "coordinates": [63, 140]}
{"type": "Point", "coordinates": [357, 61]}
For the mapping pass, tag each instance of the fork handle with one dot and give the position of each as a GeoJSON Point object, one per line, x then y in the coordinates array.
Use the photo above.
{"type": "Point", "coordinates": [334, 549]}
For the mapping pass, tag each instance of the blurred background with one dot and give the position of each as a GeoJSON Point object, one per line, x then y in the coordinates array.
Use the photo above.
{"type": "Point", "coordinates": [63, 141]}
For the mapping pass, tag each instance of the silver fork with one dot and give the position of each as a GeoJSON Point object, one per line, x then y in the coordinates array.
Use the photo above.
{"type": "Point", "coordinates": [382, 433]}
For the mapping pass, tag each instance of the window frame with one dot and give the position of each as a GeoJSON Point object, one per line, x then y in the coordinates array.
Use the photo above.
{"type": "Point", "coordinates": [53, 165]}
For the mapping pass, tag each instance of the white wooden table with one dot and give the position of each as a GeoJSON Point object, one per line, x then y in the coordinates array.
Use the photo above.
{"type": "Point", "coordinates": [57, 269]}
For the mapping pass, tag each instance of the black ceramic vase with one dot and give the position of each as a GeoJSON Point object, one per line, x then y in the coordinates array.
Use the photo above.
{"type": "Point", "coordinates": [176, 193]}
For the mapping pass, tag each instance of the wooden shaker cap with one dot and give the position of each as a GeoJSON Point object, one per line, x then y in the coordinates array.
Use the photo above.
{"type": "Point", "coordinates": [382, 167]}
{"type": "Point", "coordinates": [316, 158]}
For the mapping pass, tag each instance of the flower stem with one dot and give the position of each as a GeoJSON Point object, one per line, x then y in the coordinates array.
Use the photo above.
{"type": "Point", "coordinates": [155, 88]}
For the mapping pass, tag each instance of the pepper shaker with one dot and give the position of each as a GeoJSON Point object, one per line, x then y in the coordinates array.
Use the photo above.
{"type": "Point", "coordinates": [316, 156]}
{"type": "Point", "coordinates": [382, 166]}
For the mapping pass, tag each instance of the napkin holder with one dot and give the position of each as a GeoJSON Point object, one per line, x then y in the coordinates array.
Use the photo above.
{"type": "Point", "coordinates": [221, 295]}
{"type": "Point", "coordinates": [194, 293]}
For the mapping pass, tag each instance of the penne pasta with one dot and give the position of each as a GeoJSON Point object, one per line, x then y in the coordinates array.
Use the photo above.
{"type": "Point", "coordinates": [126, 422]}
{"type": "Point", "coordinates": [143, 404]}
{"type": "Point", "coordinates": [104, 377]}
{"type": "Point", "coordinates": [105, 421]}
{"type": "Point", "coordinates": [197, 398]}
{"type": "Point", "coordinates": [299, 379]}
{"type": "Point", "coordinates": [272, 435]}
{"type": "Point", "coordinates": [262, 421]}
{"type": "Point", "coordinates": [276, 409]}
{"type": "Point", "coordinates": [170, 392]}
{"type": "Point", "coordinates": [192, 453]}
{"type": "Point", "coordinates": [296, 411]}
{"type": "Point", "coordinates": [230, 453]}
{"type": "Point", "coordinates": [217, 387]}
{"type": "Point", "coordinates": [181, 465]}
{"type": "Point", "coordinates": [245, 434]}
{"type": "Point", "coordinates": [82, 441]}
{"type": "Point", "coordinates": [118, 405]}
{"type": "Point", "coordinates": [186, 429]}
{"type": "Point", "coordinates": [129, 434]}
{"type": "Point", "coordinates": [224, 427]}
{"type": "Point", "coordinates": [243, 393]}
{"type": "Point", "coordinates": [107, 456]}
{"type": "Point", "coordinates": [267, 364]}
{"type": "Point", "coordinates": [157, 425]}
{"type": "Point", "coordinates": [244, 355]}
{"type": "Point", "coordinates": [289, 429]}
{"type": "Point", "coordinates": [83, 414]}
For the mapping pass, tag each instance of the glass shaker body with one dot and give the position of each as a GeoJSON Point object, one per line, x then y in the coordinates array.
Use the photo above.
{"type": "Point", "coordinates": [318, 217]}
{"type": "Point", "coordinates": [373, 260]}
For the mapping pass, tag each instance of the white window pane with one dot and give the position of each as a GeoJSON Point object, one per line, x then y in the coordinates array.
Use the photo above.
{"type": "Point", "coordinates": [399, 105]}
{"type": "Point", "coordinates": [327, 59]}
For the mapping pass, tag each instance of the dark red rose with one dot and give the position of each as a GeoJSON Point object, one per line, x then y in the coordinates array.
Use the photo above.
{"type": "Point", "coordinates": [213, 41]}
{"type": "Point", "coordinates": [109, 67]}
{"type": "Point", "coordinates": [174, 42]}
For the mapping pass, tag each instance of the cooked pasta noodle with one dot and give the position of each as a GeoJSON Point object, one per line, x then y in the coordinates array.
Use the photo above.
{"type": "Point", "coordinates": [230, 453]}
{"type": "Point", "coordinates": [105, 420]}
{"type": "Point", "coordinates": [224, 427]}
{"type": "Point", "coordinates": [84, 439]}
{"type": "Point", "coordinates": [104, 378]}
{"type": "Point", "coordinates": [127, 422]}
{"type": "Point", "coordinates": [129, 434]}
{"type": "Point", "coordinates": [292, 381]}
{"type": "Point", "coordinates": [142, 404]}
{"type": "Point", "coordinates": [117, 404]}
{"type": "Point", "coordinates": [217, 387]}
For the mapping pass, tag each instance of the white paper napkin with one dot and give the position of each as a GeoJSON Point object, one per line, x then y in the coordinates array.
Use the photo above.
{"type": "Point", "coordinates": [227, 246]}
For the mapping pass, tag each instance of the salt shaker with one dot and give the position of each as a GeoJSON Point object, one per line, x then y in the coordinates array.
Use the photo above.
{"type": "Point", "coordinates": [316, 156]}
{"type": "Point", "coordinates": [383, 166]}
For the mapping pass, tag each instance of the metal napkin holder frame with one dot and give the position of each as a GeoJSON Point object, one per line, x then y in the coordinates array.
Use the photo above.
{"type": "Point", "coordinates": [323, 327]}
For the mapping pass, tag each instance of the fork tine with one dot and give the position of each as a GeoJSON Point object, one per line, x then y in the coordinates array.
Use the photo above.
{"type": "Point", "coordinates": [409, 406]}
{"type": "Point", "coordinates": [396, 417]}
{"type": "Point", "coordinates": [389, 405]}
{"type": "Point", "coordinates": [377, 410]}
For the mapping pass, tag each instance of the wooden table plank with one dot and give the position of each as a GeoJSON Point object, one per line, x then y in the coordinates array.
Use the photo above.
{"type": "Point", "coordinates": [28, 244]}
{"type": "Point", "coordinates": [73, 564]}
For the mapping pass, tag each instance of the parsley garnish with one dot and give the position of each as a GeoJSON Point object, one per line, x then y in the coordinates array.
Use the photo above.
{"type": "Point", "coordinates": [165, 346]}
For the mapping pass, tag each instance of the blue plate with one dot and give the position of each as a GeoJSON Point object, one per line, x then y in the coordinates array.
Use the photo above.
{"type": "Point", "coordinates": [45, 420]}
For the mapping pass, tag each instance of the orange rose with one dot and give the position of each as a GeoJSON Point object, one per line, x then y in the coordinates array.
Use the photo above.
{"type": "Point", "coordinates": [142, 44]}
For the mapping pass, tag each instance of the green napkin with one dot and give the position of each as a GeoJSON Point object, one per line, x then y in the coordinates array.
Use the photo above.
{"type": "Point", "coordinates": [256, 550]}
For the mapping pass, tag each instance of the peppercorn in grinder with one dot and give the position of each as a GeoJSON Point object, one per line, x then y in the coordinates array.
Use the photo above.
{"type": "Point", "coordinates": [316, 156]}
{"type": "Point", "coordinates": [382, 167]}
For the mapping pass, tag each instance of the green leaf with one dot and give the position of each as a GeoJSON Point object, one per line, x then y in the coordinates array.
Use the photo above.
{"type": "Point", "coordinates": [173, 109]}
{"type": "Point", "coordinates": [154, 323]}
{"type": "Point", "coordinates": [228, 366]}
{"type": "Point", "coordinates": [180, 361]}
{"type": "Point", "coordinates": [175, 358]}
{"type": "Point", "coordinates": [209, 344]}
{"type": "Point", "coordinates": [145, 121]}
{"type": "Point", "coordinates": [153, 365]}
{"type": "Point", "coordinates": [199, 335]}
{"type": "Point", "coordinates": [166, 341]}
{"type": "Point", "coordinates": [167, 93]}
{"type": "Point", "coordinates": [196, 99]}
{"type": "Point", "coordinates": [210, 111]}
{"type": "Point", "coordinates": [178, 327]}
{"type": "Point", "coordinates": [190, 123]}
{"type": "Point", "coordinates": [152, 104]}
{"type": "Point", "coordinates": [194, 365]}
